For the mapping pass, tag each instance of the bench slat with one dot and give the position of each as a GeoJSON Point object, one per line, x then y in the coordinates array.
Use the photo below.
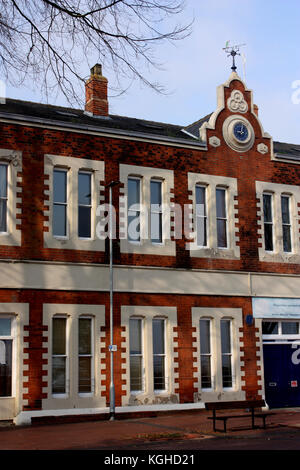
{"type": "Point", "coordinates": [231, 405]}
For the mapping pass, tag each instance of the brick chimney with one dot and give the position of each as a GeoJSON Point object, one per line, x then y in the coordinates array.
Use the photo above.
{"type": "Point", "coordinates": [96, 93]}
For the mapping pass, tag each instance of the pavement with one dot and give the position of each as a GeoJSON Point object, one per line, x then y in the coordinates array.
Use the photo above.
{"type": "Point", "coordinates": [178, 430]}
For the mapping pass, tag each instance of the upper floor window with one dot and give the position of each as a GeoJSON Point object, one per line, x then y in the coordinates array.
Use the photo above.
{"type": "Point", "coordinates": [214, 229]}
{"type": "Point", "coordinates": [286, 223]}
{"type": "Point", "coordinates": [72, 196]}
{"type": "Point", "coordinates": [221, 214]}
{"type": "Point", "coordinates": [156, 211]}
{"type": "Point", "coordinates": [134, 210]}
{"type": "Point", "coordinates": [268, 221]}
{"type": "Point", "coordinates": [201, 215]}
{"type": "Point", "coordinates": [145, 213]}
{"type": "Point", "coordinates": [60, 203]}
{"type": "Point", "coordinates": [3, 197]}
{"type": "Point", "coordinates": [279, 222]}
{"type": "Point", "coordinates": [84, 204]}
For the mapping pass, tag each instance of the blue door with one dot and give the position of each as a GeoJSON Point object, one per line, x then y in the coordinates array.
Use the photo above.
{"type": "Point", "coordinates": [282, 375]}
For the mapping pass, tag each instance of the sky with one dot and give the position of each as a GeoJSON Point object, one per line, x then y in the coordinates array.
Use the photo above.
{"type": "Point", "coordinates": [195, 66]}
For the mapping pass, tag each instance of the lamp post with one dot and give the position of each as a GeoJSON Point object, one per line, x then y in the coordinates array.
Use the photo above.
{"type": "Point", "coordinates": [111, 305]}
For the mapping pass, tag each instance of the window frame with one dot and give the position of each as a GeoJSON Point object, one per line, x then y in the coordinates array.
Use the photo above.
{"type": "Point", "coordinates": [202, 217]}
{"type": "Point", "coordinates": [12, 338]}
{"type": "Point", "coordinates": [164, 355]}
{"type": "Point", "coordinates": [65, 204]}
{"type": "Point", "coordinates": [136, 392]}
{"type": "Point", "coordinates": [285, 224]}
{"type": "Point", "coordinates": [92, 355]}
{"type": "Point", "coordinates": [159, 211]}
{"type": "Point", "coordinates": [225, 190]}
{"type": "Point", "coordinates": [230, 354]}
{"type": "Point", "coordinates": [210, 354]}
{"type": "Point", "coordinates": [139, 211]}
{"type": "Point", "coordinates": [271, 196]}
{"type": "Point", "coordinates": [6, 198]}
{"type": "Point", "coordinates": [90, 206]}
{"type": "Point", "coordinates": [66, 355]}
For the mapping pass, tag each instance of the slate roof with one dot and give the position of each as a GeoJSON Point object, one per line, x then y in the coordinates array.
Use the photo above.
{"type": "Point", "coordinates": [77, 117]}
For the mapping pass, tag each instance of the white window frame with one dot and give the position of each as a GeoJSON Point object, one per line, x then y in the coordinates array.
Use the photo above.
{"type": "Point", "coordinates": [201, 217]}
{"type": "Point", "coordinates": [74, 166]}
{"type": "Point", "coordinates": [141, 319]}
{"type": "Point", "coordinates": [159, 211]}
{"type": "Point", "coordinates": [90, 206]}
{"type": "Point", "coordinates": [11, 337]}
{"type": "Point", "coordinates": [65, 204]}
{"type": "Point", "coordinates": [235, 315]}
{"type": "Point", "coordinates": [211, 182]}
{"type": "Point", "coordinates": [92, 356]}
{"type": "Point", "coordinates": [4, 232]}
{"type": "Point", "coordinates": [166, 378]}
{"type": "Point", "coordinates": [278, 255]}
{"type": "Point", "coordinates": [137, 209]}
{"type": "Point", "coordinates": [146, 246]}
{"type": "Point", "coordinates": [221, 188]}
{"type": "Point", "coordinates": [285, 224]}
{"type": "Point", "coordinates": [13, 160]}
{"type": "Point", "coordinates": [81, 401]}
{"type": "Point", "coordinates": [271, 223]}
{"type": "Point", "coordinates": [210, 355]}
{"type": "Point", "coordinates": [148, 313]}
{"type": "Point", "coordinates": [230, 354]}
{"type": "Point", "coordinates": [66, 355]}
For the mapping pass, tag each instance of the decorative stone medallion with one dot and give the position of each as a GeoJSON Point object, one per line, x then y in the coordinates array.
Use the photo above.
{"type": "Point", "coordinates": [214, 141]}
{"type": "Point", "coordinates": [236, 102]}
{"type": "Point", "coordinates": [262, 148]}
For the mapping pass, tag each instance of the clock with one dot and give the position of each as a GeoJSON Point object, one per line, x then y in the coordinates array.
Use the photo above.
{"type": "Point", "coordinates": [238, 133]}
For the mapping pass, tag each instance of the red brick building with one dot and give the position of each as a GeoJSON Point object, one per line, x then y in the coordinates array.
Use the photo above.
{"type": "Point", "coordinates": [206, 259]}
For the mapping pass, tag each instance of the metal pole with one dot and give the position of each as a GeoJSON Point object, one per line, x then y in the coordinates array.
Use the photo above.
{"type": "Point", "coordinates": [111, 285]}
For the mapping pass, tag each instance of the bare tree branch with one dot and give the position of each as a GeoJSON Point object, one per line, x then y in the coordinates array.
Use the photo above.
{"type": "Point", "coordinates": [53, 42]}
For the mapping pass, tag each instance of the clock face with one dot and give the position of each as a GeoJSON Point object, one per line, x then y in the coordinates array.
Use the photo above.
{"type": "Point", "coordinates": [240, 131]}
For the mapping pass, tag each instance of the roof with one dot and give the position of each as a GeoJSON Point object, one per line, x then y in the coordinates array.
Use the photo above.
{"type": "Point", "coordinates": [77, 117]}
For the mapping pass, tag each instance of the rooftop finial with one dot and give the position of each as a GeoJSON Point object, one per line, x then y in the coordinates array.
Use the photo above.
{"type": "Point", "coordinates": [232, 51]}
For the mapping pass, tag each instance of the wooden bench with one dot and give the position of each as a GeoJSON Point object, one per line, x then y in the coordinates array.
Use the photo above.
{"type": "Point", "coordinates": [250, 405]}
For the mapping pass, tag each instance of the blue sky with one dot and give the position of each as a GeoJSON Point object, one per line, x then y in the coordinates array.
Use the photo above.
{"type": "Point", "coordinates": [193, 68]}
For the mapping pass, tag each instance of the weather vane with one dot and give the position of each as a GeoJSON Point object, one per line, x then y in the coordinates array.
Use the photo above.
{"type": "Point", "coordinates": [232, 51]}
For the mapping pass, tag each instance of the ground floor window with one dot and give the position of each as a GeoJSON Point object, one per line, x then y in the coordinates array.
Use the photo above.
{"type": "Point", "coordinates": [6, 353]}
{"type": "Point", "coordinates": [217, 336]}
{"type": "Point", "coordinates": [150, 333]}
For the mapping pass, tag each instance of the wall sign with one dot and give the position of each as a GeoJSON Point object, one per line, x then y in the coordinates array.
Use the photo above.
{"type": "Point", "coordinates": [264, 307]}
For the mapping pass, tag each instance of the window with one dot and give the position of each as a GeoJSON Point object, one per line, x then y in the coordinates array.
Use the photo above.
{"type": "Point", "coordinates": [280, 328]}
{"type": "Point", "coordinates": [226, 353]}
{"type": "Point", "coordinates": [286, 223]}
{"type": "Point", "coordinates": [205, 353]}
{"type": "Point", "coordinates": [221, 217]}
{"type": "Point", "coordinates": [134, 199]}
{"type": "Point", "coordinates": [136, 354]}
{"type": "Point", "coordinates": [3, 197]}
{"type": "Point", "coordinates": [59, 356]}
{"type": "Point", "coordinates": [268, 221]}
{"type": "Point", "coordinates": [201, 216]}
{"type": "Point", "coordinates": [85, 356]}
{"type": "Point", "coordinates": [59, 227]}
{"type": "Point", "coordinates": [146, 211]}
{"type": "Point", "coordinates": [84, 204]}
{"type": "Point", "coordinates": [156, 211]}
{"type": "Point", "coordinates": [159, 367]}
{"type": "Point", "coordinates": [6, 349]}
